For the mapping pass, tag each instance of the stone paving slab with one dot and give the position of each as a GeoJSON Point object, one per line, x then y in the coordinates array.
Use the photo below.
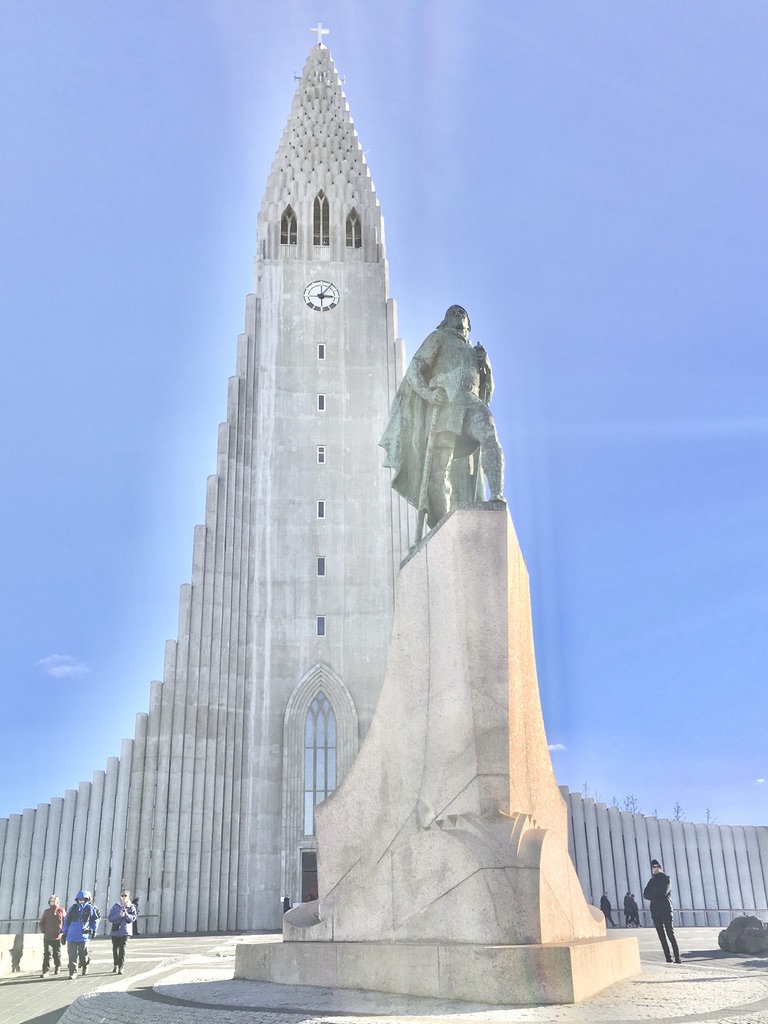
{"type": "Point", "coordinates": [26, 997]}
{"type": "Point", "coordinates": [708, 986]}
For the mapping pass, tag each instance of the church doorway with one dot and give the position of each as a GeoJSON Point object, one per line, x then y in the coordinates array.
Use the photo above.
{"type": "Point", "coordinates": [308, 875]}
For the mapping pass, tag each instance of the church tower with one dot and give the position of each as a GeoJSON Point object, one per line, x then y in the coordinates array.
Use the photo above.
{"type": "Point", "coordinates": [284, 629]}
{"type": "Point", "coordinates": [208, 814]}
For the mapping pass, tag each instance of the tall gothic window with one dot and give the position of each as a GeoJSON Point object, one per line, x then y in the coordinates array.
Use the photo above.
{"type": "Point", "coordinates": [321, 229]}
{"type": "Point", "coordinates": [319, 758]}
{"type": "Point", "coordinates": [288, 227]}
{"type": "Point", "coordinates": [354, 230]}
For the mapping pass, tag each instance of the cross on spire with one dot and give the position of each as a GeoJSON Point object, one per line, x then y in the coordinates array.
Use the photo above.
{"type": "Point", "coordinates": [320, 32]}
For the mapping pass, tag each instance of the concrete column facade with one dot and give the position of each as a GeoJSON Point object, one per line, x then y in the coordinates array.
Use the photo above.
{"type": "Point", "coordinates": [183, 862]}
{"type": "Point", "coordinates": [702, 843]}
{"type": "Point", "coordinates": [761, 838]}
{"type": "Point", "coordinates": [50, 856]}
{"type": "Point", "coordinates": [105, 837]}
{"type": "Point", "coordinates": [61, 885]}
{"type": "Point", "coordinates": [164, 791]}
{"type": "Point", "coordinates": [753, 862]}
{"type": "Point", "coordinates": [731, 870]}
{"type": "Point", "coordinates": [8, 869]}
{"type": "Point", "coordinates": [199, 894]}
{"type": "Point", "coordinates": [146, 811]}
{"type": "Point", "coordinates": [134, 788]}
{"type": "Point", "coordinates": [682, 884]}
{"type": "Point", "coordinates": [79, 828]}
{"type": "Point", "coordinates": [34, 880]}
{"type": "Point", "coordinates": [635, 880]}
{"type": "Point", "coordinates": [722, 894]}
{"type": "Point", "coordinates": [742, 867]}
{"type": "Point", "coordinates": [22, 872]}
{"type": "Point", "coordinates": [119, 824]}
{"type": "Point", "coordinates": [716, 871]}
{"type": "Point", "coordinates": [93, 834]}
{"type": "Point", "coordinates": [593, 849]}
{"type": "Point", "coordinates": [578, 831]}
{"type": "Point", "coordinates": [694, 873]}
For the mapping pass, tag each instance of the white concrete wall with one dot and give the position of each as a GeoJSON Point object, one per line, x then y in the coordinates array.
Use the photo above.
{"type": "Point", "coordinates": [717, 871]}
{"type": "Point", "coordinates": [73, 842]}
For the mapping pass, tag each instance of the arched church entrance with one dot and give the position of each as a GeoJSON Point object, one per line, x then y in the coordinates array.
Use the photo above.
{"type": "Point", "coordinates": [320, 742]}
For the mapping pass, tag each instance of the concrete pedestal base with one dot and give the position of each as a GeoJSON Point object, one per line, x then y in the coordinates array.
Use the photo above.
{"type": "Point", "coordinates": [558, 972]}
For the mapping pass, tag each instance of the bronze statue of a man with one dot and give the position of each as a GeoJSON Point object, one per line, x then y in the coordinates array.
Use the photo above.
{"type": "Point", "coordinates": [440, 429]}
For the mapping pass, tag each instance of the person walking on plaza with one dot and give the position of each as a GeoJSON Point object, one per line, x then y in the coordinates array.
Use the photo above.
{"type": "Point", "coordinates": [605, 906]}
{"type": "Point", "coordinates": [122, 917]}
{"type": "Point", "coordinates": [79, 928]}
{"type": "Point", "coordinates": [50, 926]}
{"type": "Point", "coordinates": [658, 893]}
{"type": "Point", "coordinates": [631, 911]}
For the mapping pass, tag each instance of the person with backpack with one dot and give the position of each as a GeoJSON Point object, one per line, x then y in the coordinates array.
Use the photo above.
{"type": "Point", "coordinates": [80, 926]}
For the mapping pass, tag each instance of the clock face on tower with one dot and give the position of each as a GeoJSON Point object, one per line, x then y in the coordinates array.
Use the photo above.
{"type": "Point", "coordinates": [321, 296]}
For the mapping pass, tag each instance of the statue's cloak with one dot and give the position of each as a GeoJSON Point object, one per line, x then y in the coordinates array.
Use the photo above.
{"type": "Point", "coordinates": [405, 442]}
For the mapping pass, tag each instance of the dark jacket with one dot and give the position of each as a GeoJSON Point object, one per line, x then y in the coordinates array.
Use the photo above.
{"type": "Point", "coordinates": [122, 917]}
{"type": "Point", "coordinates": [657, 892]}
{"type": "Point", "coordinates": [50, 922]}
{"type": "Point", "coordinates": [605, 905]}
{"type": "Point", "coordinates": [630, 905]}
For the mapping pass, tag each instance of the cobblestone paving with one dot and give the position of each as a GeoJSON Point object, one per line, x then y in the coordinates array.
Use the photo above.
{"type": "Point", "coordinates": [706, 987]}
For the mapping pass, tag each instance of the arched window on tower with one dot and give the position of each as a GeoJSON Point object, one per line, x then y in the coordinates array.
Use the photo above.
{"type": "Point", "coordinates": [354, 230]}
{"type": "Point", "coordinates": [321, 220]}
{"type": "Point", "coordinates": [319, 757]}
{"type": "Point", "coordinates": [288, 227]}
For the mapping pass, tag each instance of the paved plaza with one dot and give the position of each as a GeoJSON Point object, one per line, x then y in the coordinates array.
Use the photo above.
{"type": "Point", "coordinates": [190, 979]}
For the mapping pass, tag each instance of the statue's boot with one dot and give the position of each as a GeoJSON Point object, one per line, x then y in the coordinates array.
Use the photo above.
{"type": "Point", "coordinates": [493, 467]}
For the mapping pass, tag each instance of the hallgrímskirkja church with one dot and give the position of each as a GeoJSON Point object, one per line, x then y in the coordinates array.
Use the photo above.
{"type": "Point", "coordinates": [208, 813]}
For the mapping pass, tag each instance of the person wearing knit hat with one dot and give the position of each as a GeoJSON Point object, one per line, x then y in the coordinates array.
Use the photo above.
{"type": "Point", "coordinates": [658, 893]}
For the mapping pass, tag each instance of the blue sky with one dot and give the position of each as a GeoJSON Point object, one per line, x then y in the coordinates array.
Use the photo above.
{"type": "Point", "coordinates": [588, 179]}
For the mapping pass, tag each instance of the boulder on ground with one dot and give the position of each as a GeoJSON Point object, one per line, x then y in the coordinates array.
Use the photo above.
{"type": "Point", "coordinates": [745, 934]}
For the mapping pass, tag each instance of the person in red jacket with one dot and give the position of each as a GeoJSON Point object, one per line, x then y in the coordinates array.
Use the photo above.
{"type": "Point", "coordinates": [50, 926]}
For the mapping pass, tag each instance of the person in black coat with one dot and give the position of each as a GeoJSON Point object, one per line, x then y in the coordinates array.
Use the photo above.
{"type": "Point", "coordinates": [657, 892]}
{"type": "Point", "coordinates": [631, 911]}
{"type": "Point", "coordinates": [605, 906]}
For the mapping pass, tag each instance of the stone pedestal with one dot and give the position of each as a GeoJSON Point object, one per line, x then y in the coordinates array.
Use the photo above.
{"type": "Point", "coordinates": [562, 972]}
{"type": "Point", "coordinates": [444, 851]}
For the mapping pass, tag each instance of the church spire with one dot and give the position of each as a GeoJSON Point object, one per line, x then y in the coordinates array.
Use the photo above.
{"type": "Point", "coordinates": [320, 155]}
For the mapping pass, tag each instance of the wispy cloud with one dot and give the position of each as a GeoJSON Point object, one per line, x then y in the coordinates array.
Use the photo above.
{"type": "Point", "coordinates": [557, 746]}
{"type": "Point", "coordinates": [759, 780]}
{"type": "Point", "coordinates": [62, 666]}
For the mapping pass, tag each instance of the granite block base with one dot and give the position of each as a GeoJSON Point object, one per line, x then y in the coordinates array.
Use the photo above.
{"type": "Point", "coordinates": [534, 975]}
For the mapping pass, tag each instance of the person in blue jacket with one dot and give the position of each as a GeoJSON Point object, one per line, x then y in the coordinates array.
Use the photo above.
{"type": "Point", "coordinates": [79, 928]}
{"type": "Point", "coordinates": [122, 917]}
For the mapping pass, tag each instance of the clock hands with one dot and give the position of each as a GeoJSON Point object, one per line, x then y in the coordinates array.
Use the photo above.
{"type": "Point", "coordinates": [321, 295]}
